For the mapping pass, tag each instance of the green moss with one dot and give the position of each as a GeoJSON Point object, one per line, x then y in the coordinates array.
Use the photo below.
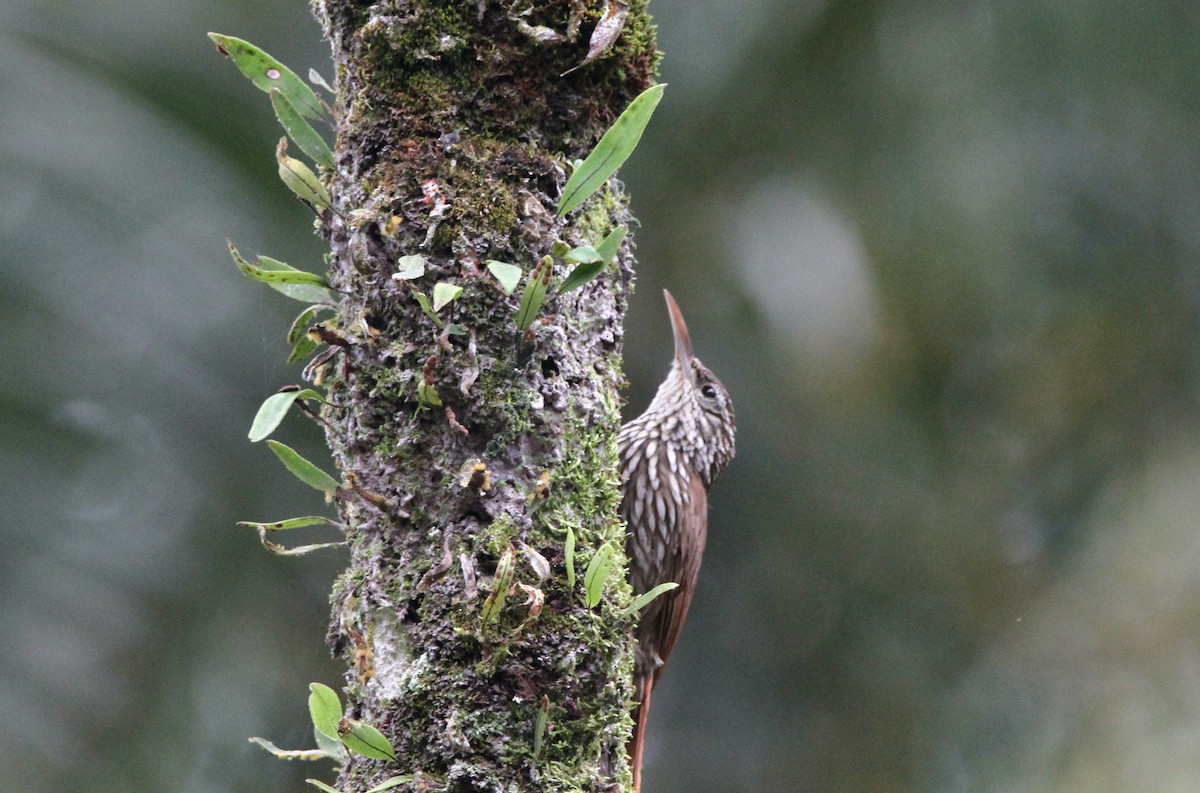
{"type": "Point", "coordinates": [498, 535]}
{"type": "Point", "coordinates": [506, 403]}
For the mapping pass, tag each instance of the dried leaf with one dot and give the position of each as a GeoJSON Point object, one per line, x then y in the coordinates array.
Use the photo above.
{"type": "Point", "coordinates": [301, 180]}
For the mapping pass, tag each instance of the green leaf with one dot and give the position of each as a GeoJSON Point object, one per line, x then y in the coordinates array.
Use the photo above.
{"type": "Point", "coordinates": [535, 293]}
{"type": "Point", "coordinates": [267, 73]}
{"type": "Point", "coordinates": [293, 523]}
{"type": "Point", "coordinates": [299, 130]}
{"type": "Point", "coordinates": [581, 275]}
{"type": "Point", "coordinates": [302, 349]}
{"type": "Point", "coordinates": [302, 469]}
{"type": "Point", "coordinates": [301, 180]}
{"type": "Point", "coordinates": [614, 148]}
{"type": "Point", "coordinates": [505, 568]}
{"type": "Point", "coordinates": [444, 293]}
{"type": "Point", "coordinates": [596, 576]}
{"type": "Point", "coordinates": [507, 274]}
{"type": "Point", "coordinates": [409, 267]}
{"type": "Point", "coordinates": [569, 557]}
{"type": "Point", "coordinates": [289, 523]}
{"type": "Point", "coordinates": [611, 244]}
{"type": "Point", "coordinates": [363, 739]}
{"type": "Point", "coordinates": [302, 322]}
{"type": "Point", "coordinates": [427, 394]}
{"type": "Point", "coordinates": [319, 785]}
{"type": "Point", "coordinates": [539, 725]}
{"type": "Point", "coordinates": [325, 708]}
{"type": "Point", "coordinates": [584, 253]}
{"type": "Point", "coordinates": [332, 747]}
{"type": "Point", "coordinates": [283, 278]}
{"type": "Point", "coordinates": [299, 550]}
{"type": "Point", "coordinates": [292, 754]}
{"type": "Point", "coordinates": [272, 411]}
{"type": "Point", "coordinates": [427, 308]}
{"type": "Point", "coordinates": [392, 782]}
{"type": "Point", "coordinates": [643, 600]}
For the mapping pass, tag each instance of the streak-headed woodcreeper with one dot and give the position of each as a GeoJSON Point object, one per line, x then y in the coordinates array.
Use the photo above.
{"type": "Point", "coordinates": [670, 455]}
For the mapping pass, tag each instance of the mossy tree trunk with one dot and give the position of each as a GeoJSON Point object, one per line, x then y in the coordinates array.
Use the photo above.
{"type": "Point", "coordinates": [454, 124]}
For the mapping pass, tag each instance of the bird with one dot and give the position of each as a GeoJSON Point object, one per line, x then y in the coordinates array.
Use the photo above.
{"type": "Point", "coordinates": [669, 457]}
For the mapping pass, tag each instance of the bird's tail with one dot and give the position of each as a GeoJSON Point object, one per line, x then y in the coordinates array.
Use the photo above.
{"type": "Point", "coordinates": [644, 685]}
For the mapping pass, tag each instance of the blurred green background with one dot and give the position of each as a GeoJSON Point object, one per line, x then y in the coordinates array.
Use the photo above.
{"type": "Point", "coordinates": [943, 254]}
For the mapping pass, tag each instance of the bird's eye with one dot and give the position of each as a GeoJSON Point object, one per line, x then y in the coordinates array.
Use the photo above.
{"type": "Point", "coordinates": [709, 391]}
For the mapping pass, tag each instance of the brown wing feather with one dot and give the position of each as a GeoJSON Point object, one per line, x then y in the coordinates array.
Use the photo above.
{"type": "Point", "coordinates": [693, 527]}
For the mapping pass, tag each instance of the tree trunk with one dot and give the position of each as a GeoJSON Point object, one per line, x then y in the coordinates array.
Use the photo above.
{"type": "Point", "coordinates": [454, 125]}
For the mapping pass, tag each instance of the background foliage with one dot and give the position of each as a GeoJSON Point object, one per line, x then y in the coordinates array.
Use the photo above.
{"type": "Point", "coordinates": [943, 254]}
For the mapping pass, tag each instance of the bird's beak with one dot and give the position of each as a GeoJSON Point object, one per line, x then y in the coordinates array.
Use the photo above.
{"type": "Point", "coordinates": [683, 342]}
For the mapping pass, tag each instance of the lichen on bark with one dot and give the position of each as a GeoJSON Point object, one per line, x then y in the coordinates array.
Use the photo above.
{"type": "Point", "coordinates": [454, 125]}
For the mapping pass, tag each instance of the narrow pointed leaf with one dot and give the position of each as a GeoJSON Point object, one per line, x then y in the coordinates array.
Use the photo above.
{"type": "Point", "coordinates": [392, 782]}
{"type": "Point", "coordinates": [300, 131]}
{"type": "Point", "coordinates": [611, 244]}
{"type": "Point", "coordinates": [302, 469]}
{"type": "Point", "coordinates": [291, 754]}
{"type": "Point", "coordinates": [325, 708]}
{"type": "Point", "coordinates": [319, 785]}
{"type": "Point", "coordinates": [580, 276]}
{"type": "Point", "coordinates": [298, 550]}
{"type": "Point", "coordinates": [596, 576]}
{"type": "Point", "coordinates": [301, 180]}
{"type": "Point", "coordinates": [267, 73]}
{"type": "Point", "coordinates": [274, 272]}
{"type": "Point", "coordinates": [644, 599]}
{"type": "Point", "coordinates": [302, 349]}
{"type": "Point", "coordinates": [289, 523]}
{"type": "Point", "coordinates": [444, 293]}
{"type": "Point", "coordinates": [539, 725]}
{"type": "Point", "coordinates": [423, 302]}
{"type": "Point", "coordinates": [534, 294]}
{"type": "Point", "coordinates": [569, 557]}
{"type": "Point", "coordinates": [363, 739]}
{"type": "Point", "coordinates": [509, 275]}
{"type": "Point", "coordinates": [494, 603]}
{"type": "Point", "coordinates": [283, 278]}
{"type": "Point", "coordinates": [614, 148]}
{"type": "Point", "coordinates": [274, 408]}
{"type": "Point", "coordinates": [302, 322]}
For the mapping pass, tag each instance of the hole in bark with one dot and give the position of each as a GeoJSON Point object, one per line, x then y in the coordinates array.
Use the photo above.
{"type": "Point", "coordinates": [411, 611]}
{"type": "Point", "coordinates": [478, 511]}
{"type": "Point", "coordinates": [549, 367]}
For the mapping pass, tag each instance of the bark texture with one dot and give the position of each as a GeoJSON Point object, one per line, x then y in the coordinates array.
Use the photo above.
{"type": "Point", "coordinates": [454, 121]}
